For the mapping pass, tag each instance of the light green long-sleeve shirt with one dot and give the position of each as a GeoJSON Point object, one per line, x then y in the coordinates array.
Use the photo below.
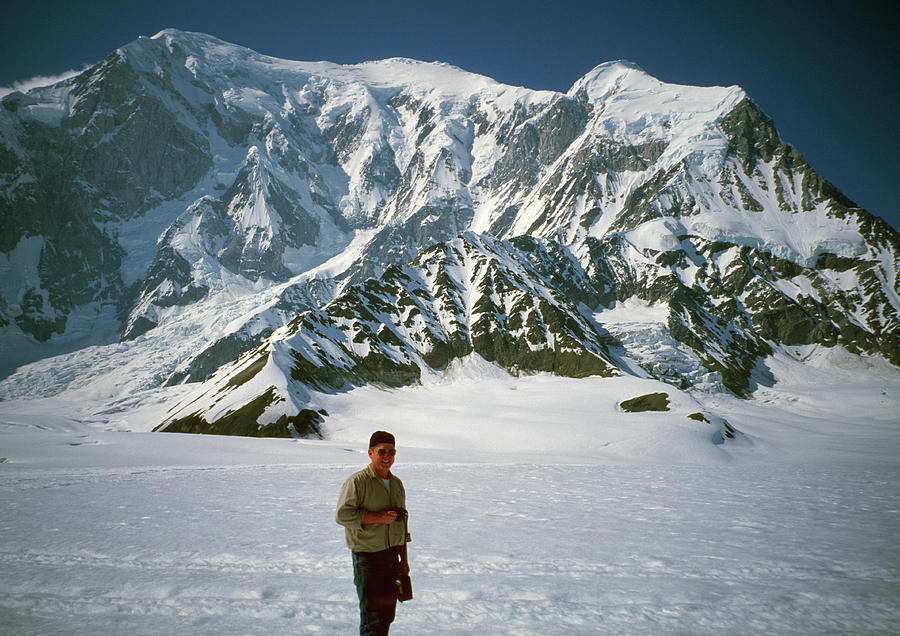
{"type": "Point", "coordinates": [364, 492]}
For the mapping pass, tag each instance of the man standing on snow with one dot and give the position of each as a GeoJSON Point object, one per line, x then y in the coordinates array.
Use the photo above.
{"type": "Point", "coordinates": [372, 509]}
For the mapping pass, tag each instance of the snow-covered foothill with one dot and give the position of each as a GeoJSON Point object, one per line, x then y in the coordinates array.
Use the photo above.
{"type": "Point", "coordinates": [536, 505]}
{"type": "Point", "coordinates": [306, 225]}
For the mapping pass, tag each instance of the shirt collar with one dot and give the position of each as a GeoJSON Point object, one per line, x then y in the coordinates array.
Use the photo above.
{"type": "Point", "coordinates": [370, 472]}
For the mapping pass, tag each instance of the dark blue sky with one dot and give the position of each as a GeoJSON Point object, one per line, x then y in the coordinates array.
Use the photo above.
{"type": "Point", "coordinates": [826, 72]}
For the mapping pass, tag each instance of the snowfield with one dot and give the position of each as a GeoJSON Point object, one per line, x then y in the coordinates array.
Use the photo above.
{"type": "Point", "coordinates": [536, 507]}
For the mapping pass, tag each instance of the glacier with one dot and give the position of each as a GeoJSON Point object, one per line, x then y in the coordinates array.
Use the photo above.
{"type": "Point", "coordinates": [535, 505]}
{"type": "Point", "coordinates": [197, 237]}
{"type": "Point", "coordinates": [262, 193]}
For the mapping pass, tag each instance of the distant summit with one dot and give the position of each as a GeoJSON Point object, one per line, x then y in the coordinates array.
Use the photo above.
{"type": "Point", "coordinates": [191, 211]}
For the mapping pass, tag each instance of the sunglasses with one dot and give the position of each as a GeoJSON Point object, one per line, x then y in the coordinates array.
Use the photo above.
{"type": "Point", "coordinates": [387, 451]}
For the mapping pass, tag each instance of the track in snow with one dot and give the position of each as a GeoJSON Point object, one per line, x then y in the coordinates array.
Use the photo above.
{"type": "Point", "coordinates": [497, 548]}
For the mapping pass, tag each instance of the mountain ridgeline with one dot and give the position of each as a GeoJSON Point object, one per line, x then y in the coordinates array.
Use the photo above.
{"type": "Point", "coordinates": [273, 229]}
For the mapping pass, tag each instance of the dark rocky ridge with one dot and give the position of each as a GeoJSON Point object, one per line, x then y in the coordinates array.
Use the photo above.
{"type": "Point", "coordinates": [161, 127]}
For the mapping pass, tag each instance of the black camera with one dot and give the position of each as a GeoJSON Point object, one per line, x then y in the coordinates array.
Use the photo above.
{"type": "Point", "coordinates": [401, 513]}
{"type": "Point", "coordinates": [404, 588]}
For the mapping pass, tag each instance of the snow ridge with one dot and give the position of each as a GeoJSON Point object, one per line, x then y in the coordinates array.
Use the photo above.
{"type": "Point", "coordinates": [262, 194]}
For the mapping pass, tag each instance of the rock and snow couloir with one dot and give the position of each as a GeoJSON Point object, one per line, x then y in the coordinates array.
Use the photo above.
{"type": "Point", "coordinates": [275, 228]}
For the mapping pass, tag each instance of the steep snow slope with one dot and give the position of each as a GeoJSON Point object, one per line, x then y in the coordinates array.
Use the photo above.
{"type": "Point", "coordinates": [212, 195]}
{"type": "Point", "coordinates": [572, 516]}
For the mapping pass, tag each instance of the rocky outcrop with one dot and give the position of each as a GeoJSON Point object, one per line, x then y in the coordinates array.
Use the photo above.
{"type": "Point", "coordinates": [378, 221]}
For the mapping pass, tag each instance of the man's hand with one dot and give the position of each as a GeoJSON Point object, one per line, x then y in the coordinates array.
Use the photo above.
{"type": "Point", "coordinates": [381, 516]}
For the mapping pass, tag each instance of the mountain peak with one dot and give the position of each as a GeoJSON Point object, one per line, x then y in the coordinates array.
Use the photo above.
{"type": "Point", "coordinates": [619, 66]}
{"type": "Point", "coordinates": [607, 80]}
{"type": "Point", "coordinates": [229, 193]}
{"type": "Point", "coordinates": [187, 37]}
{"type": "Point", "coordinates": [608, 73]}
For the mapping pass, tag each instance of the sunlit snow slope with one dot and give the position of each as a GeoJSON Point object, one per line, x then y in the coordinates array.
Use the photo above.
{"type": "Point", "coordinates": [264, 232]}
{"type": "Point", "coordinates": [536, 506]}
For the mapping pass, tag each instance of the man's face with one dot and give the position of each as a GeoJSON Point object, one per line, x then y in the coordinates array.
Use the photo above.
{"type": "Point", "coordinates": [382, 457]}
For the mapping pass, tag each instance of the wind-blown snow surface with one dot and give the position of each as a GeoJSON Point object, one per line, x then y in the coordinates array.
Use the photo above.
{"type": "Point", "coordinates": [536, 506]}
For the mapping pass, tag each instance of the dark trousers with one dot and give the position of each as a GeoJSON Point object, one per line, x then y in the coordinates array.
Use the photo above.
{"type": "Point", "coordinates": [374, 574]}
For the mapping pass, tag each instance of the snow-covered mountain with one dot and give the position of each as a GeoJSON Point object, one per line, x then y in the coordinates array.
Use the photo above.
{"type": "Point", "coordinates": [190, 211]}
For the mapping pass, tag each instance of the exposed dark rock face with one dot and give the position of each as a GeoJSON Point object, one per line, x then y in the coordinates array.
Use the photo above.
{"type": "Point", "coordinates": [649, 402]}
{"type": "Point", "coordinates": [380, 227]}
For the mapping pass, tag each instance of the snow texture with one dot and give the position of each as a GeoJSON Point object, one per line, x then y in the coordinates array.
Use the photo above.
{"type": "Point", "coordinates": [536, 506]}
